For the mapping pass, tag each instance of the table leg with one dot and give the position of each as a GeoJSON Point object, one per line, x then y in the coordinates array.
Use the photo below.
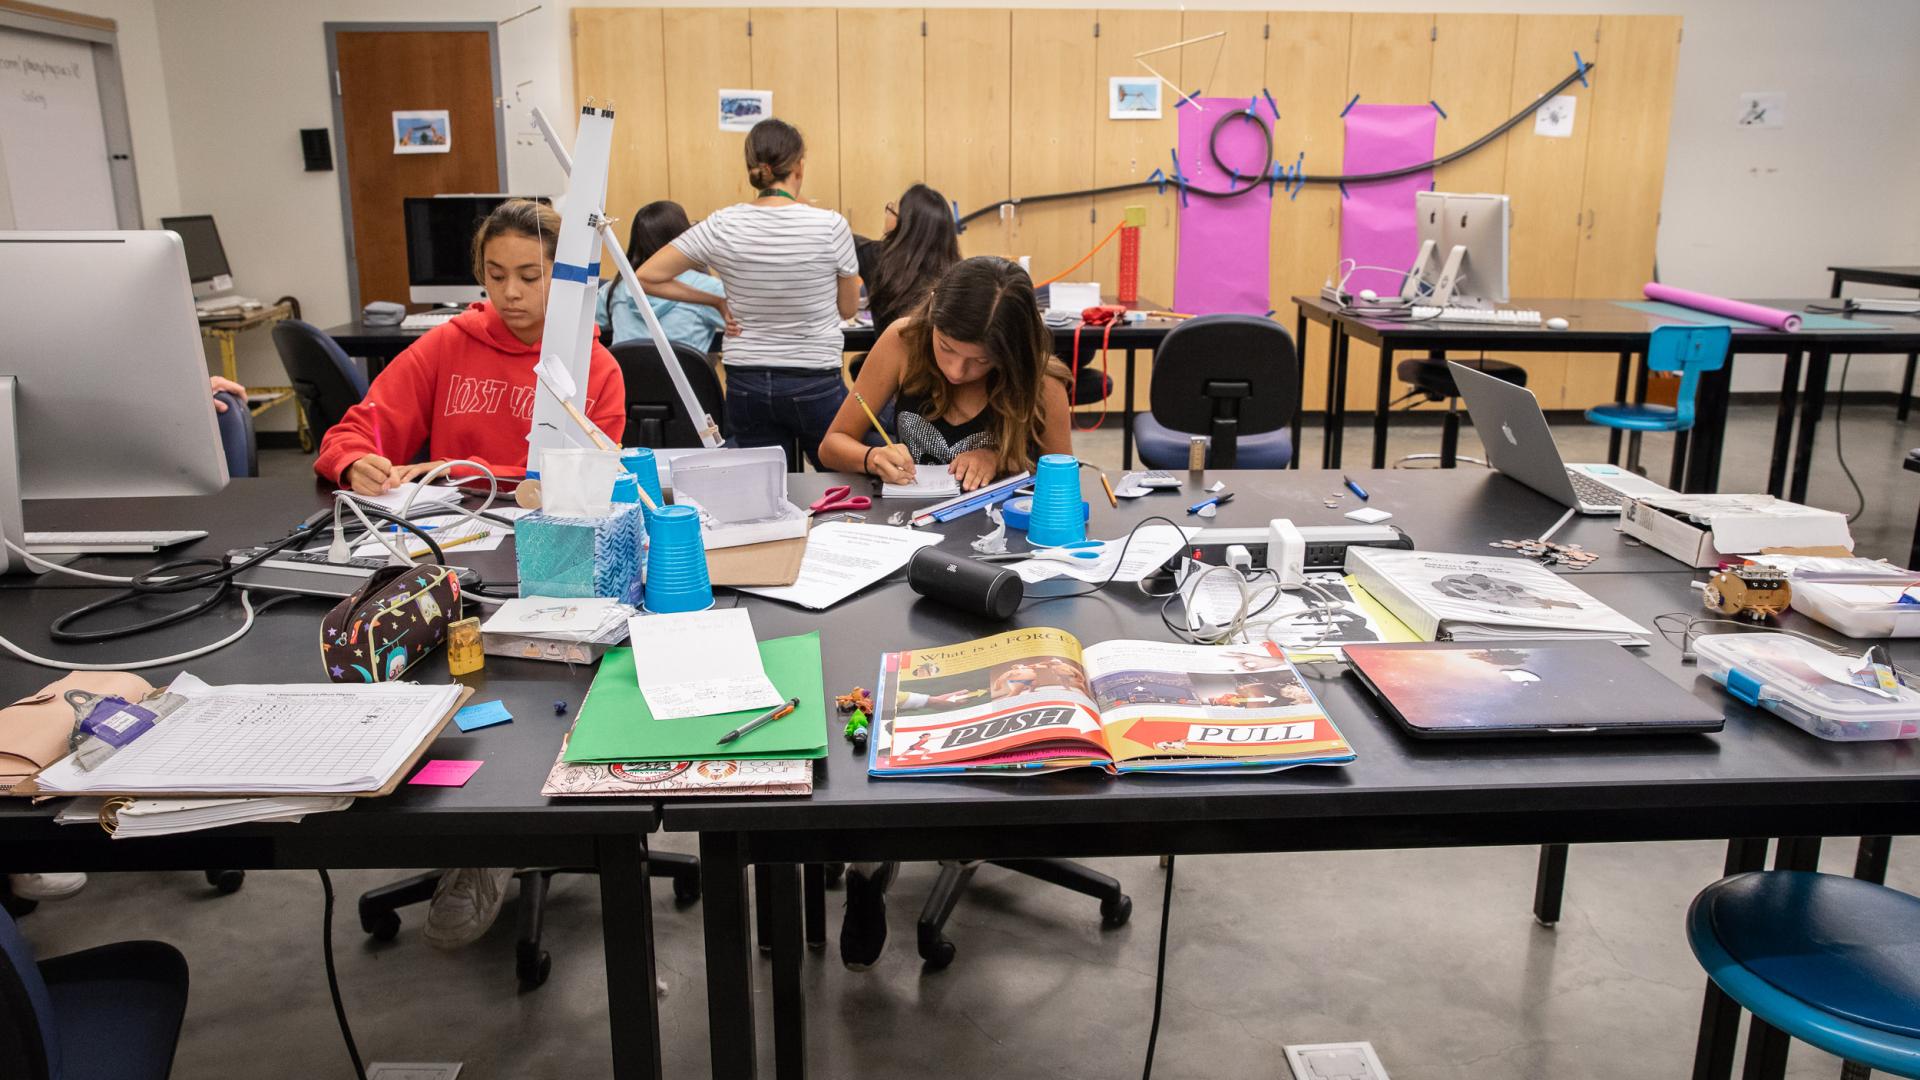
{"type": "Point", "coordinates": [626, 918]}
{"type": "Point", "coordinates": [229, 355]}
{"type": "Point", "coordinates": [1870, 863]}
{"type": "Point", "coordinates": [1720, 1014]}
{"type": "Point", "coordinates": [789, 999]}
{"type": "Point", "coordinates": [1639, 398]}
{"type": "Point", "coordinates": [1709, 437]}
{"type": "Point", "coordinates": [1382, 395]}
{"type": "Point", "coordinates": [1817, 363]}
{"type": "Point", "coordinates": [1906, 387]}
{"type": "Point", "coordinates": [1550, 883]}
{"type": "Point", "coordinates": [1336, 398]}
{"type": "Point", "coordinates": [1620, 376]}
{"type": "Point", "coordinates": [1300, 379]}
{"type": "Point", "coordinates": [814, 881]}
{"type": "Point", "coordinates": [1126, 416]}
{"type": "Point", "coordinates": [1783, 426]}
{"type": "Point", "coordinates": [723, 902]}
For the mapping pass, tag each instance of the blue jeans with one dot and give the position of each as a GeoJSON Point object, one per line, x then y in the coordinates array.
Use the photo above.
{"type": "Point", "coordinates": [780, 409]}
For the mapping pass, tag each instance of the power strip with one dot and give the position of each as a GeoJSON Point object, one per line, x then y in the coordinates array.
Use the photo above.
{"type": "Point", "coordinates": [1326, 544]}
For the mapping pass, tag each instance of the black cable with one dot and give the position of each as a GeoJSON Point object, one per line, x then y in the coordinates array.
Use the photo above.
{"type": "Point", "coordinates": [1839, 449]}
{"type": "Point", "coordinates": [1266, 168]}
{"type": "Point", "coordinates": [1111, 574]}
{"type": "Point", "coordinates": [333, 978]}
{"type": "Point", "coordinates": [1159, 972]}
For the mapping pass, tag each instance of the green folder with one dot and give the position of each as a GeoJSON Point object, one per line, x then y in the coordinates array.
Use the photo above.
{"type": "Point", "coordinates": [615, 726]}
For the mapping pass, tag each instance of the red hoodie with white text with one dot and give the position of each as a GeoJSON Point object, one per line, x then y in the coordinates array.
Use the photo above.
{"type": "Point", "coordinates": [464, 390]}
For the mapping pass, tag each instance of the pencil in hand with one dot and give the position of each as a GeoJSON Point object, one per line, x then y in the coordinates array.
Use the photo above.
{"type": "Point", "coordinates": [865, 408]}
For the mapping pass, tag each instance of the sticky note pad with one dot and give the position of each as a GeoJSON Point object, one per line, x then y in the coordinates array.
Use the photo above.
{"type": "Point", "coordinates": [444, 772]}
{"type": "Point", "coordinates": [485, 714]}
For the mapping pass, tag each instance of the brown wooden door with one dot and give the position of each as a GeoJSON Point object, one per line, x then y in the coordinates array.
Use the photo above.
{"type": "Point", "coordinates": [380, 72]}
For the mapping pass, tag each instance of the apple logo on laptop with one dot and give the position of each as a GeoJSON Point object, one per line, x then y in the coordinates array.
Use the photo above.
{"type": "Point", "coordinates": [1520, 675]}
{"type": "Point", "coordinates": [1507, 430]}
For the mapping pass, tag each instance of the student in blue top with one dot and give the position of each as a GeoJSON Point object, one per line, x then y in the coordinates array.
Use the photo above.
{"type": "Point", "coordinates": [690, 324]}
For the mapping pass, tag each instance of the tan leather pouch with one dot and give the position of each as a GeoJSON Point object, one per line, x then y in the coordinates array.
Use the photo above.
{"type": "Point", "coordinates": [34, 730]}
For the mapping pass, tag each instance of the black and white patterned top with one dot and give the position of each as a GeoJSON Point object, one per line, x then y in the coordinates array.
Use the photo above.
{"type": "Point", "coordinates": [934, 441]}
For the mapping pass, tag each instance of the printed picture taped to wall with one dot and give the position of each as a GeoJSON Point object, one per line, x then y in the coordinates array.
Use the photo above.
{"type": "Point", "coordinates": [422, 131]}
{"type": "Point", "coordinates": [741, 109]}
{"type": "Point", "coordinates": [1133, 97]}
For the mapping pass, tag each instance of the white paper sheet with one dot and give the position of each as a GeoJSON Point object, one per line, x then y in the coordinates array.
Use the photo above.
{"type": "Point", "coordinates": [929, 482]}
{"type": "Point", "coordinates": [397, 498]}
{"type": "Point", "coordinates": [454, 535]}
{"type": "Point", "coordinates": [842, 558]}
{"type": "Point", "coordinates": [1151, 547]}
{"type": "Point", "coordinates": [697, 663]}
{"type": "Point", "coordinates": [574, 618]}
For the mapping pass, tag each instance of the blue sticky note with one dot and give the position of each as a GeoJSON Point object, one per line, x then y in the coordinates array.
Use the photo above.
{"type": "Point", "coordinates": [485, 714]}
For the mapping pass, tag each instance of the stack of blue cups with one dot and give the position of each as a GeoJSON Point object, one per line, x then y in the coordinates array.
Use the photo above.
{"type": "Point", "coordinates": [639, 461]}
{"type": "Point", "coordinates": [1059, 513]}
{"type": "Point", "coordinates": [676, 562]}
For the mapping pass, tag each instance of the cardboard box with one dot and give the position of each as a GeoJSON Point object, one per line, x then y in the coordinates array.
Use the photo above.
{"type": "Point", "coordinates": [1706, 530]}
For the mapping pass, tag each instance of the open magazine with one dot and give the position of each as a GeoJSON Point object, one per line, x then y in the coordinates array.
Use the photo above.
{"type": "Point", "coordinates": [1033, 700]}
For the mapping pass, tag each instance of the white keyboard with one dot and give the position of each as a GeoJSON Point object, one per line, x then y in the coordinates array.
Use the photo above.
{"type": "Point", "coordinates": [109, 543]}
{"type": "Point", "coordinates": [427, 320]}
{"type": "Point", "coordinates": [1494, 316]}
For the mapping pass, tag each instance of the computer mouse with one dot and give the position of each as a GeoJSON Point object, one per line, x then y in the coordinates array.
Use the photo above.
{"type": "Point", "coordinates": [1556, 323]}
{"type": "Point", "coordinates": [1369, 294]}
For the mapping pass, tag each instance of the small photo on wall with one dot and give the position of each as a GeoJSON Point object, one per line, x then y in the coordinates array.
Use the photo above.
{"type": "Point", "coordinates": [422, 131]}
{"type": "Point", "coordinates": [1132, 98]}
{"type": "Point", "coordinates": [741, 109]}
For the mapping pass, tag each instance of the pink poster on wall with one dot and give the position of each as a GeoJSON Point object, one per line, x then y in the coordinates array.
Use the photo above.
{"type": "Point", "coordinates": [1223, 265]}
{"type": "Point", "coordinates": [1377, 227]}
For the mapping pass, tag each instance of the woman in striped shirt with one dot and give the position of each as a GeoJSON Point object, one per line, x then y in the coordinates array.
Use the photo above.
{"type": "Point", "coordinates": [791, 277]}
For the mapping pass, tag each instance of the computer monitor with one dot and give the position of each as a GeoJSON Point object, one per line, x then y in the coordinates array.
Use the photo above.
{"type": "Point", "coordinates": [1469, 233]}
{"type": "Point", "coordinates": [206, 256]}
{"type": "Point", "coordinates": [103, 384]}
{"type": "Point", "coordinates": [439, 233]}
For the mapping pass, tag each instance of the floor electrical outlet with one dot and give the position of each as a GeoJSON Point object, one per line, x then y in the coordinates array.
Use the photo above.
{"type": "Point", "coordinates": [1335, 1061]}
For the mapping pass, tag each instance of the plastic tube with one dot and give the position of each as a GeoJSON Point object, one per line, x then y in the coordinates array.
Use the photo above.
{"type": "Point", "coordinates": [1773, 318]}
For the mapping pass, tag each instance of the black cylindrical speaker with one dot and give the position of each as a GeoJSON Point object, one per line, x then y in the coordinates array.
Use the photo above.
{"type": "Point", "coordinates": [967, 584]}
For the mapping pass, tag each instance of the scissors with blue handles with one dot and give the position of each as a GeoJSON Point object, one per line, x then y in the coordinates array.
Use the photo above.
{"type": "Point", "coordinates": [839, 497]}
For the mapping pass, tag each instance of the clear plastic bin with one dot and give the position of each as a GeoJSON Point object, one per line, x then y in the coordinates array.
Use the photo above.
{"type": "Point", "coordinates": [1780, 673]}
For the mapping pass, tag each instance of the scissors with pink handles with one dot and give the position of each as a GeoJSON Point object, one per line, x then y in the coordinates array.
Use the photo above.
{"type": "Point", "coordinates": [839, 497]}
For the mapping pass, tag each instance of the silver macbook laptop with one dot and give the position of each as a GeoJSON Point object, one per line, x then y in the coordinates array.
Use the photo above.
{"type": "Point", "coordinates": [1520, 444]}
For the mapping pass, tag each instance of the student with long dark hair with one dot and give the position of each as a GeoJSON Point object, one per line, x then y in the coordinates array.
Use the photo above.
{"type": "Point", "coordinates": [791, 278]}
{"type": "Point", "coordinates": [972, 381]}
{"type": "Point", "coordinates": [921, 242]}
{"type": "Point", "coordinates": [654, 226]}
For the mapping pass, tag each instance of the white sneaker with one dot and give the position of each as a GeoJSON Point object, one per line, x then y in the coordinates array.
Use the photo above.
{"type": "Point", "coordinates": [465, 905]}
{"type": "Point", "coordinates": [46, 886]}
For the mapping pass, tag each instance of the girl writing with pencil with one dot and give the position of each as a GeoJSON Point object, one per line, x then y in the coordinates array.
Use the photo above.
{"type": "Point", "coordinates": [972, 381]}
{"type": "Point", "coordinates": [466, 388]}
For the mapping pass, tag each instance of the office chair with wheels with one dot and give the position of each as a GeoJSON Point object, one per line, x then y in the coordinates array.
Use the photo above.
{"type": "Point", "coordinates": [106, 1013]}
{"type": "Point", "coordinates": [1233, 378]}
{"type": "Point", "coordinates": [1817, 957]}
{"type": "Point", "coordinates": [1432, 380]}
{"type": "Point", "coordinates": [325, 381]}
{"type": "Point", "coordinates": [236, 435]}
{"type": "Point", "coordinates": [380, 908]}
{"type": "Point", "coordinates": [1689, 350]}
{"type": "Point", "coordinates": [1116, 907]}
{"type": "Point", "coordinates": [654, 415]}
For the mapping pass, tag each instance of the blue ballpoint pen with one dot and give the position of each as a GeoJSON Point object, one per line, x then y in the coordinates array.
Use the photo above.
{"type": "Point", "coordinates": [1218, 500]}
{"type": "Point", "coordinates": [1355, 488]}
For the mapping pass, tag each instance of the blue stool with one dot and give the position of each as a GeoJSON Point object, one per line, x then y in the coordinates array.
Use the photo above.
{"type": "Point", "coordinates": [1688, 350]}
{"type": "Point", "coordinates": [1832, 961]}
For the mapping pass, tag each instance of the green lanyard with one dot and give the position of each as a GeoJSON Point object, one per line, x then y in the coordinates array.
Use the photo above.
{"type": "Point", "coordinates": [767, 192]}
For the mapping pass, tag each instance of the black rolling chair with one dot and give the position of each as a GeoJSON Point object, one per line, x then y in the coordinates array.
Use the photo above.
{"type": "Point", "coordinates": [1232, 378]}
{"type": "Point", "coordinates": [655, 418]}
{"type": "Point", "coordinates": [1432, 380]}
{"type": "Point", "coordinates": [236, 435]}
{"type": "Point", "coordinates": [325, 381]}
{"type": "Point", "coordinates": [380, 908]}
{"type": "Point", "coordinates": [1116, 907]}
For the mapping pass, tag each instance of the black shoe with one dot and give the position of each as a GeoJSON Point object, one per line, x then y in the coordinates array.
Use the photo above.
{"type": "Point", "coordinates": [863, 930]}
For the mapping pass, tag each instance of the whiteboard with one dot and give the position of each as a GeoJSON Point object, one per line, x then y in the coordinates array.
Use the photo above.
{"type": "Point", "coordinates": [53, 140]}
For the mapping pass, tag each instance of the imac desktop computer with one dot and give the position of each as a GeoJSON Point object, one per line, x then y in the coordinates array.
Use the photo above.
{"type": "Point", "coordinates": [1463, 258]}
{"type": "Point", "coordinates": [207, 265]}
{"type": "Point", "coordinates": [439, 231]}
{"type": "Point", "coordinates": [99, 400]}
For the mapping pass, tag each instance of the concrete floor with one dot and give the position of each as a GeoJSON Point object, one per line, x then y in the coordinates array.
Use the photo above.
{"type": "Point", "coordinates": [1432, 955]}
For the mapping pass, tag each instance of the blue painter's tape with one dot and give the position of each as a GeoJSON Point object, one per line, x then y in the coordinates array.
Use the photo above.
{"type": "Point", "coordinates": [1343, 191]}
{"type": "Point", "coordinates": [1276, 109]}
{"type": "Point", "coordinates": [1253, 108]}
{"type": "Point", "coordinates": [1582, 65]}
{"type": "Point", "coordinates": [1350, 105]}
{"type": "Point", "coordinates": [1437, 108]}
{"type": "Point", "coordinates": [570, 272]}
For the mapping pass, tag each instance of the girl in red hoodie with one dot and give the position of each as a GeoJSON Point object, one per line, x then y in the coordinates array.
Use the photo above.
{"type": "Point", "coordinates": [465, 389]}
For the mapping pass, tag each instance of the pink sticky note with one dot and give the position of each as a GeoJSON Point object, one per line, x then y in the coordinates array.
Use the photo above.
{"type": "Point", "coordinates": [443, 772]}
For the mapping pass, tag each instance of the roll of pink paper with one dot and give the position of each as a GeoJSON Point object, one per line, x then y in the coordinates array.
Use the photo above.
{"type": "Point", "coordinates": [1720, 305]}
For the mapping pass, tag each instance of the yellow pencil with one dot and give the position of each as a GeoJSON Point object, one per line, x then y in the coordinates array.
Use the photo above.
{"type": "Point", "coordinates": [445, 544]}
{"type": "Point", "coordinates": [876, 420]}
{"type": "Point", "coordinates": [1105, 483]}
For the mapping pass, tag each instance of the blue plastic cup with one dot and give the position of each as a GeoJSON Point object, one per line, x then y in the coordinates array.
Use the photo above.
{"type": "Point", "coordinates": [1058, 517]}
{"type": "Point", "coordinates": [676, 563]}
{"type": "Point", "coordinates": [639, 461]}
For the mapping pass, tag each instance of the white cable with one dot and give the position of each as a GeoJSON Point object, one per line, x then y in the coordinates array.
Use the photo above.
{"type": "Point", "coordinates": [246, 601]}
{"type": "Point", "coordinates": [56, 568]}
{"type": "Point", "coordinates": [386, 540]}
{"type": "Point", "coordinates": [1555, 527]}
